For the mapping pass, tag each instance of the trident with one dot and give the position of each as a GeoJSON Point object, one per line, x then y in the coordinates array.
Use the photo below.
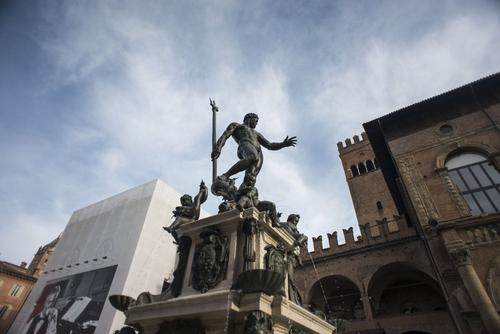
{"type": "Point", "coordinates": [215, 109]}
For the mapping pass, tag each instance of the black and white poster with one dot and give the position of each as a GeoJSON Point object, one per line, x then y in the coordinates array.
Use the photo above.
{"type": "Point", "coordinates": [72, 304]}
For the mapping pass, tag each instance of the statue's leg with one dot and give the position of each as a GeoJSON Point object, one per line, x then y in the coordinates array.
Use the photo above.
{"type": "Point", "coordinates": [258, 163]}
{"type": "Point", "coordinates": [249, 157]}
{"type": "Point", "coordinates": [240, 166]}
{"type": "Point", "coordinates": [270, 207]}
{"type": "Point", "coordinates": [174, 225]}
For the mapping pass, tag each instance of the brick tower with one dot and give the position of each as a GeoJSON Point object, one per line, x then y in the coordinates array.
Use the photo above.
{"type": "Point", "coordinates": [371, 197]}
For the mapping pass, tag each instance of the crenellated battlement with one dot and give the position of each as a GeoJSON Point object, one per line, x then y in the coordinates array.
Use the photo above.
{"type": "Point", "coordinates": [348, 143]}
{"type": "Point", "coordinates": [371, 233]}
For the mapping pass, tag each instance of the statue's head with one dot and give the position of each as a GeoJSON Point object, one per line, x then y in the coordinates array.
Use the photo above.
{"type": "Point", "coordinates": [186, 200]}
{"type": "Point", "coordinates": [293, 218]}
{"type": "Point", "coordinates": [251, 120]}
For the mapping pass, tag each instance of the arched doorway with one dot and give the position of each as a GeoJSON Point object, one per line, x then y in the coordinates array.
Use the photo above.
{"type": "Point", "coordinates": [402, 289]}
{"type": "Point", "coordinates": [342, 295]}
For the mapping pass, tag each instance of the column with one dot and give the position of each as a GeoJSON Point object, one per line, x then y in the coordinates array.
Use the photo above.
{"type": "Point", "coordinates": [367, 308]}
{"type": "Point", "coordinates": [461, 259]}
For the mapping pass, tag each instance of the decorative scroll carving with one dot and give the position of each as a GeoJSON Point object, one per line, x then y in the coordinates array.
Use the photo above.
{"type": "Point", "coordinates": [455, 193]}
{"type": "Point", "coordinates": [425, 207]}
{"type": "Point", "coordinates": [460, 256]}
{"type": "Point", "coordinates": [250, 227]}
{"type": "Point", "coordinates": [483, 234]}
{"type": "Point", "coordinates": [211, 257]}
{"type": "Point", "coordinates": [258, 322]}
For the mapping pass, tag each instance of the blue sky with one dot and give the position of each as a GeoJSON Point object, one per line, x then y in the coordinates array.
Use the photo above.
{"type": "Point", "coordinates": [100, 96]}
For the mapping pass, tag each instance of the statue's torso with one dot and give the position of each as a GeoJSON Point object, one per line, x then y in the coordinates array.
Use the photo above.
{"type": "Point", "coordinates": [244, 133]}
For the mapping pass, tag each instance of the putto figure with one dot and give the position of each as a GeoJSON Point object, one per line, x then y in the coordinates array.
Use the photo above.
{"type": "Point", "coordinates": [249, 148]}
{"type": "Point", "coordinates": [188, 211]}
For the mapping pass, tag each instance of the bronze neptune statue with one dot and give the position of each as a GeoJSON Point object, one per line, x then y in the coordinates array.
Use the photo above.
{"type": "Point", "coordinates": [249, 150]}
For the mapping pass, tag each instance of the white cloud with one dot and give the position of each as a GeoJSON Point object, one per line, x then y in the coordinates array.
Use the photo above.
{"type": "Point", "coordinates": [141, 74]}
{"type": "Point", "coordinates": [392, 75]}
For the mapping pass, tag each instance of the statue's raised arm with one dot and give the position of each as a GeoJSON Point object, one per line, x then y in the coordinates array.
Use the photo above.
{"type": "Point", "coordinates": [222, 140]}
{"type": "Point", "coordinates": [199, 199]}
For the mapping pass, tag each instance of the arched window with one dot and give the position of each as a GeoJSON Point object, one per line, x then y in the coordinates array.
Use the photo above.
{"type": "Point", "coordinates": [362, 168]}
{"type": "Point", "coordinates": [369, 165]}
{"type": "Point", "coordinates": [354, 170]}
{"type": "Point", "coordinates": [478, 180]}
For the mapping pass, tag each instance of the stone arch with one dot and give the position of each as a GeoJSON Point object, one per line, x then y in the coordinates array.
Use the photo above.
{"type": "Point", "coordinates": [458, 148]}
{"type": "Point", "coordinates": [403, 288]}
{"type": "Point", "coordinates": [342, 295]}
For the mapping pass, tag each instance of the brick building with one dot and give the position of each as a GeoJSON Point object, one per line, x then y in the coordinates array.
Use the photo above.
{"type": "Point", "coordinates": [425, 185]}
{"type": "Point", "coordinates": [16, 283]}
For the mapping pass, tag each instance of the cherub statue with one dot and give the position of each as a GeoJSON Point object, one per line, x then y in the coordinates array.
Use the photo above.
{"type": "Point", "coordinates": [188, 211]}
{"type": "Point", "coordinates": [291, 226]}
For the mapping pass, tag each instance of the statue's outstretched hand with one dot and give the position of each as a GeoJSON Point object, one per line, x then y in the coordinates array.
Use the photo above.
{"type": "Point", "coordinates": [202, 185]}
{"type": "Point", "coordinates": [292, 141]}
{"type": "Point", "coordinates": [215, 154]}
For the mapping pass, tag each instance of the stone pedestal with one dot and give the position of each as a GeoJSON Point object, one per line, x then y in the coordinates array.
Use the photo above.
{"type": "Point", "coordinates": [235, 281]}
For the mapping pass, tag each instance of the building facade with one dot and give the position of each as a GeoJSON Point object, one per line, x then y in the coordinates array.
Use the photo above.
{"type": "Point", "coordinates": [16, 283]}
{"type": "Point", "coordinates": [114, 246]}
{"type": "Point", "coordinates": [425, 185]}
{"type": "Point", "coordinates": [15, 286]}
